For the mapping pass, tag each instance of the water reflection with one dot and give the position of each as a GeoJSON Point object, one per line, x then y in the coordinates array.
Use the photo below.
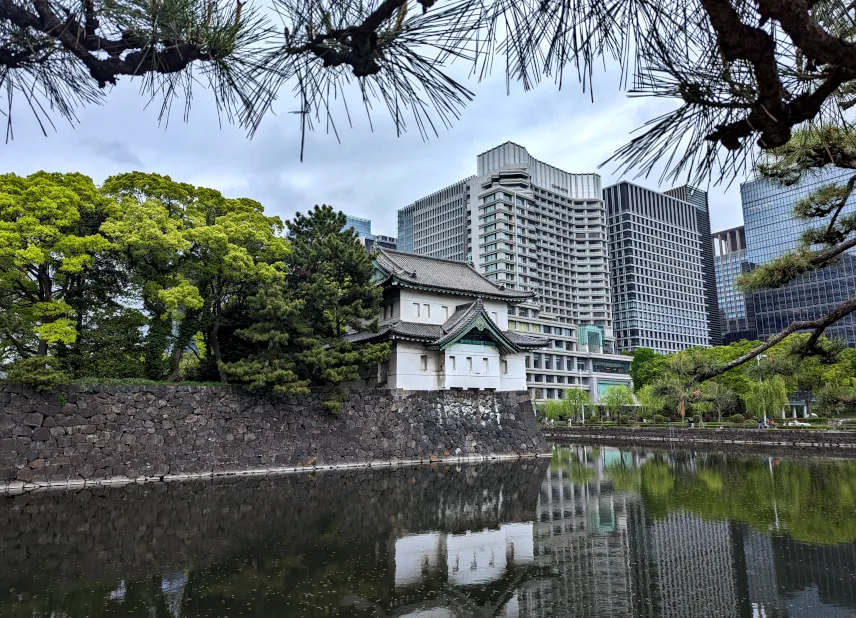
{"type": "Point", "coordinates": [594, 532]}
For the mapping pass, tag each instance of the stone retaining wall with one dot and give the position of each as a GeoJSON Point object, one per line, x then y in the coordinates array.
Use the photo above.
{"type": "Point", "coordinates": [77, 435]}
{"type": "Point", "coordinates": [778, 438]}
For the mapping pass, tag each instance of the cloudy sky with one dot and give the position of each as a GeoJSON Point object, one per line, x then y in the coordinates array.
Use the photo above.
{"type": "Point", "coordinates": [370, 174]}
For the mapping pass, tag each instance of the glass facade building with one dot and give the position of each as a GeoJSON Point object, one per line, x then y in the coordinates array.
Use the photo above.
{"type": "Point", "coordinates": [771, 230]}
{"type": "Point", "coordinates": [736, 317]}
{"type": "Point", "coordinates": [660, 291]}
{"type": "Point", "coordinates": [363, 228]}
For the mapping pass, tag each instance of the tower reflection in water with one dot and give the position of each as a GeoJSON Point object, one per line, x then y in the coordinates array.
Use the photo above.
{"type": "Point", "coordinates": [596, 532]}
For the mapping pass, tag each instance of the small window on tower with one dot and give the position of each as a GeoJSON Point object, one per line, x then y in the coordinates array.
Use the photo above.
{"type": "Point", "coordinates": [416, 309]}
{"type": "Point", "coordinates": [504, 365]}
{"type": "Point", "coordinates": [469, 363]}
{"type": "Point", "coordinates": [452, 363]}
{"type": "Point", "coordinates": [424, 360]}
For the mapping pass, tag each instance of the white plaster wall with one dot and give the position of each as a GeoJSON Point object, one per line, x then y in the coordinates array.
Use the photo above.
{"type": "Point", "coordinates": [405, 367]}
{"type": "Point", "coordinates": [497, 310]}
{"type": "Point", "coordinates": [515, 379]}
{"type": "Point", "coordinates": [477, 378]}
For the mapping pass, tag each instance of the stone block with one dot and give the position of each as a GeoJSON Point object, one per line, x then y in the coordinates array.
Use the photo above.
{"type": "Point", "coordinates": [33, 419]}
{"type": "Point", "coordinates": [41, 434]}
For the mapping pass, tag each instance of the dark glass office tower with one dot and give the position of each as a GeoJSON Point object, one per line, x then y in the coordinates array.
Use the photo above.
{"type": "Point", "coordinates": [736, 316]}
{"type": "Point", "coordinates": [663, 296]}
{"type": "Point", "coordinates": [698, 198]}
{"type": "Point", "coordinates": [771, 230]}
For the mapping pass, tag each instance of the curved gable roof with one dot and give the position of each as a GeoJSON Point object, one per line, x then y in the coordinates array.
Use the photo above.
{"type": "Point", "coordinates": [435, 274]}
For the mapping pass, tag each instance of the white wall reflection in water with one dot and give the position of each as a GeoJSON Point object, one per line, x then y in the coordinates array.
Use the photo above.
{"type": "Point", "coordinates": [464, 559]}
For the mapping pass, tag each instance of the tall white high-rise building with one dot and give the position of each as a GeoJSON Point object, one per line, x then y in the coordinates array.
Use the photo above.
{"type": "Point", "coordinates": [531, 226]}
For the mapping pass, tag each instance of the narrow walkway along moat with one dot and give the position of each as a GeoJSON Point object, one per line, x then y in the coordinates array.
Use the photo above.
{"type": "Point", "coordinates": [592, 532]}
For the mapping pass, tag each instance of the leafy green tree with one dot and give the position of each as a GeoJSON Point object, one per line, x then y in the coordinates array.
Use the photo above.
{"type": "Point", "coordinates": [650, 403]}
{"type": "Point", "coordinates": [767, 397]}
{"type": "Point", "coordinates": [301, 316]}
{"type": "Point", "coordinates": [194, 253]}
{"type": "Point", "coordinates": [576, 400]}
{"type": "Point", "coordinates": [646, 367]}
{"type": "Point", "coordinates": [616, 399]}
{"type": "Point", "coordinates": [719, 399]}
{"type": "Point", "coordinates": [50, 244]}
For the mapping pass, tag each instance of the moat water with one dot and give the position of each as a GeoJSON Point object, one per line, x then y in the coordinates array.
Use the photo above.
{"type": "Point", "coordinates": [592, 532]}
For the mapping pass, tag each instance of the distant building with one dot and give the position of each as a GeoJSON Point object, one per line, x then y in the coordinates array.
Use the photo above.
{"type": "Point", "coordinates": [448, 327]}
{"type": "Point", "coordinates": [529, 226]}
{"type": "Point", "coordinates": [381, 242]}
{"type": "Point", "coordinates": [772, 230]}
{"type": "Point", "coordinates": [372, 242]}
{"type": "Point", "coordinates": [663, 291]}
{"type": "Point", "coordinates": [361, 226]}
{"type": "Point", "coordinates": [737, 318]}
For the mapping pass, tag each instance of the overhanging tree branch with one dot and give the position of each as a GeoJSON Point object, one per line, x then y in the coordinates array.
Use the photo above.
{"type": "Point", "coordinates": [817, 327]}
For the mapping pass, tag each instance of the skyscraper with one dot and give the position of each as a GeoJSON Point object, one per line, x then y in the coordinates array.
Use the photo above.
{"type": "Point", "coordinates": [736, 316]}
{"type": "Point", "coordinates": [772, 230]}
{"type": "Point", "coordinates": [657, 248]}
{"type": "Point", "coordinates": [363, 228]}
{"type": "Point", "coordinates": [531, 226]}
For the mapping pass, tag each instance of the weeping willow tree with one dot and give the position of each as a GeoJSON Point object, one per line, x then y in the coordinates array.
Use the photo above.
{"type": "Point", "coordinates": [744, 73]}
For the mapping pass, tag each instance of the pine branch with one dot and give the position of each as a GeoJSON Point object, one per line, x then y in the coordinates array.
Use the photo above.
{"type": "Point", "coordinates": [817, 327]}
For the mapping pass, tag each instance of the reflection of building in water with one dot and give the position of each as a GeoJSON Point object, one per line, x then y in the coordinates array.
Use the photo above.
{"type": "Point", "coordinates": [694, 566]}
{"type": "Point", "coordinates": [462, 559]}
{"type": "Point", "coordinates": [789, 579]}
{"type": "Point", "coordinates": [581, 536]}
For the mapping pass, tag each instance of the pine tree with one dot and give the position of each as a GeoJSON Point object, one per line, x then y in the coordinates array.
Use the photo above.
{"type": "Point", "coordinates": [325, 289]}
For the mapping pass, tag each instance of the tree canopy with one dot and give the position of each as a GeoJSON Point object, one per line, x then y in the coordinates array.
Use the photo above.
{"type": "Point", "coordinates": [149, 278]}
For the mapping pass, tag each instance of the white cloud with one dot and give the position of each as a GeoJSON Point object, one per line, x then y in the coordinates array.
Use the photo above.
{"type": "Point", "coordinates": [369, 174]}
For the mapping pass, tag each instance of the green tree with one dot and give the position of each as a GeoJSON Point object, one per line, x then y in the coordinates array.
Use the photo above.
{"type": "Point", "coordinates": [767, 397]}
{"type": "Point", "coordinates": [194, 252]}
{"type": "Point", "coordinates": [616, 399]}
{"type": "Point", "coordinates": [575, 401]}
{"type": "Point", "coordinates": [301, 316]}
{"type": "Point", "coordinates": [650, 403]}
{"type": "Point", "coordinates": [50, 244]}
{"type": "Point", "coordinates": [646, 367]}
{"type": "Point", "coordinates": [719, 399]}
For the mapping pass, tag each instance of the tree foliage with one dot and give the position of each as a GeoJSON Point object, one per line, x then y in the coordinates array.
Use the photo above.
{"type": "Point", "coordinates": [324, 289]}
{"type": "Point", "coordinates": [146, 277]}
{"type": "Point", "coordinates": [739, 81]}
{"type": "Point", "coordinates": [616, 399]}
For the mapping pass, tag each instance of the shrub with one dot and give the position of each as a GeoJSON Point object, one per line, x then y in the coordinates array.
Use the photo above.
{"type": "Point", "coordinates": [593, 418]}
{"type": "Point", "coordinates": [737, 418]}
{"type": "Point", "coordinates": [39, 372]}
{"type": "Point", "coordinates": [697, 419]}
{"type": "Point", "coordinates": [659, 418]}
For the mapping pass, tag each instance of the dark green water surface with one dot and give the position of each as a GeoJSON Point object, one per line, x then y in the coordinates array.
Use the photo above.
{"type": "Point", "coordinates": [594, 532]}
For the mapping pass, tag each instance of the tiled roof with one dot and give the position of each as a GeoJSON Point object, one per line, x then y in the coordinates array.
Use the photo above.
{"type": "Point", "coordinates": [419, 271]}
{"type": "Point", "coordinates": [525, 341]}
{"type": "Point", "coordinates": [406, 330]}
{"type": "Point", "coordinates": [462, 318]}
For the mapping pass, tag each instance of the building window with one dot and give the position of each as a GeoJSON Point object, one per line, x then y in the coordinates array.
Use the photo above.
{"type": "Point", "coordinates": [416, 309]}
{"type": "Point", "coordinates": [427, 308]}
{"type": "Point", "coordinates": [494, 317]}
{"type": "Point", "coordinates": [504, 366]}
{"type": "Point", "coordinates": [469, 363]}
{"type": "Point", "coordinates": [424, 360]}
{"type": "Point", "coordinates": [445, 312]}
{"type": "Point", "coordinates": [452, 362]}
{"type": "Point", "coordinates": [485, 365]}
